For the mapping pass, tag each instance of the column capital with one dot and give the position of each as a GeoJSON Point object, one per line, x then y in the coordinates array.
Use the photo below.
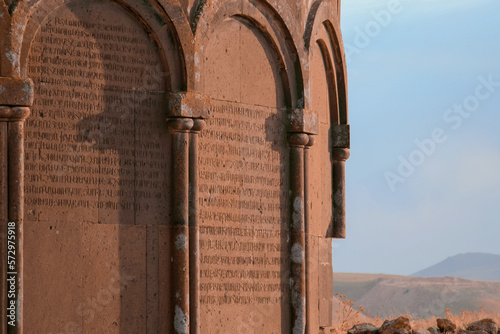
{"type": "Point", "coordinates": [341, 135]}
{"type": "Point", "coordinates": [298, 139]}
{"type": "Point", "coordinates": [311, 142]}
{"type": "Point", "coordinates": [188, 104]}
{"type": "Point", "coordinates": [13, 114]}
{"type": "Point", "coordinates": [16, 92]}
{"type": "Point", "coordinates": [198, 125]}
{"type": "Point", "coordinates": [303, 120]}
{"type": "Point", "coordinates": [176, 125]}
{"type": "Point", "coordinates": [340, 154]}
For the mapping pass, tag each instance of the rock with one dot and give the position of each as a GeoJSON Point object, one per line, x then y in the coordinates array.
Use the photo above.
{"type": "Point", "coordinates": [365, 328]}
{"type": "Point", "coordinates": [433, 330]}
{"type": "Point", "coordinates": [446, 325]}
{"type": "Point", "coordinates": [400, 325]}
{"type": "Point", "coordinates": [421, 331]}
{"type": "Point", "coordinates": [462, 331]}
{"type": "Point", "coordinates": [487, 325]}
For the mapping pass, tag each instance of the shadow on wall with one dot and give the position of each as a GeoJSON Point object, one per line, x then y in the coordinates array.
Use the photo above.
{"type": "Point", "coordinates": [130, 131]}
{"type": "Point", "coordinates": [110, 97]}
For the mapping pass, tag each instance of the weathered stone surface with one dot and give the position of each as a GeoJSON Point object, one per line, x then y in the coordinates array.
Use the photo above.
{"type": "Point", "coordinates": [16, 92]}
{"type": "Point", "coordinates": [341, 136]}
{"type": "Point", "coordinates": [400, 325]}
{"type": "Point", "coordinates": [303, 121]}
{"type": "Point", "coordinates": [364, 328]}
{"type": "Point", "coordinates": [446, 325]}
{"type": "Point", "coordinates": [188, 105]}
{"type": "Point", "coordinates": [486, 325]}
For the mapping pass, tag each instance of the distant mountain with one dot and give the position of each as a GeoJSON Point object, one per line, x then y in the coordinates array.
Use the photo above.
{"type": "Point", "coordinates": [472, 266]}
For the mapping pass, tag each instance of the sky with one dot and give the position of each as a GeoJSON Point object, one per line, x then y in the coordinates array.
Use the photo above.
{"type": "Point", "coordinates": [423, 179]}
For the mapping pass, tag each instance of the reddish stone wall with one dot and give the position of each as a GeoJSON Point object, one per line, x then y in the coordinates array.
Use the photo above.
{"type": "Point", "coordinates": [180, 168]}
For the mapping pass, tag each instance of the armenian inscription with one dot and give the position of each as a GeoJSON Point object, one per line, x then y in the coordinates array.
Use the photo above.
{"type": "Point", "coordinates": [242, 186]}
{"type": "Point", "coordinates": [96, 144]}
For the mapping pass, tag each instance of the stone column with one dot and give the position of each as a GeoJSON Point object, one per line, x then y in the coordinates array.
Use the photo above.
{"type": "Point", "coordinates": [16, 96]}
{"type": "Point", "coordinates": [297, 142]}
{"type": "Point", "coordinates": [340, 153]}
{"type": "Point", "coordinates": [312, 324]}
{"type": "Point", "coordinates": [11, 213]}
{"type": "Point", "coordinates": [186, 111]}
{"type": "Point", "coordinates": [194, 230]}
{"type": "Point", "coordinates": [303, 124]}
{"type": "Point", "coordinates": [180, 127]}
{"type": "Point", "coordinates": [4, 218]}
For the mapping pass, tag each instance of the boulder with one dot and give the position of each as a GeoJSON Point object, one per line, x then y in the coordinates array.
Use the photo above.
{"type": "Point", "coordinates": [400, 325]}
{"type": "Point", "coordinates": [364, 328]}
{"type": "Point", "coordinates": [446, 326]}
{"type": "Point", "coordinates": [487, 325]}
{"type": "Point", "coordinates": [421, 331]}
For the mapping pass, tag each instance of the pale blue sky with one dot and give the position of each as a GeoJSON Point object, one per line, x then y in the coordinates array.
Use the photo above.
{"type": "Point", "coordinates": [418, 69]}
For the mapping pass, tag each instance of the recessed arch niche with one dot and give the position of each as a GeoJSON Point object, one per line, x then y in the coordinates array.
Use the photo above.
{"type": "Point", "coordinates": [244, 174]}
{"type": "Point", "coordinates": [97, 157]}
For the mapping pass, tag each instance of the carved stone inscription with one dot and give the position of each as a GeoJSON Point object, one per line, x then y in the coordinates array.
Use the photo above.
{"type": "Point", "coordinates": [242, 185]}
{"type": "Point", "coordinates": [97, 156]}
{"type": "Point", "coordinates": [96, 143]}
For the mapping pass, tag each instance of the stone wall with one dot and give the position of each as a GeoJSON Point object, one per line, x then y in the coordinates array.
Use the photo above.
{"type": "Point", "coordinates": [170, 166]}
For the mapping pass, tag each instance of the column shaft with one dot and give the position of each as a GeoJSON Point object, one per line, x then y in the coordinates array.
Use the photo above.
{"type": "Point", "coordinates": [180, 127]}
{"type": "Point", "coordinates": [297, 141]}
{"type": "Point", "coordinates": [15, 133]}
{"type": "Point", "coordinates": [339, 157]}
{"type": "Point", "coordinates": [312, 324]}
{"type": "Point", "coordinates": [12, 216]}
{"type": "Point", "coordinates": [194, 230]}
{"type": "Point", "coordinates": [4, 218]}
